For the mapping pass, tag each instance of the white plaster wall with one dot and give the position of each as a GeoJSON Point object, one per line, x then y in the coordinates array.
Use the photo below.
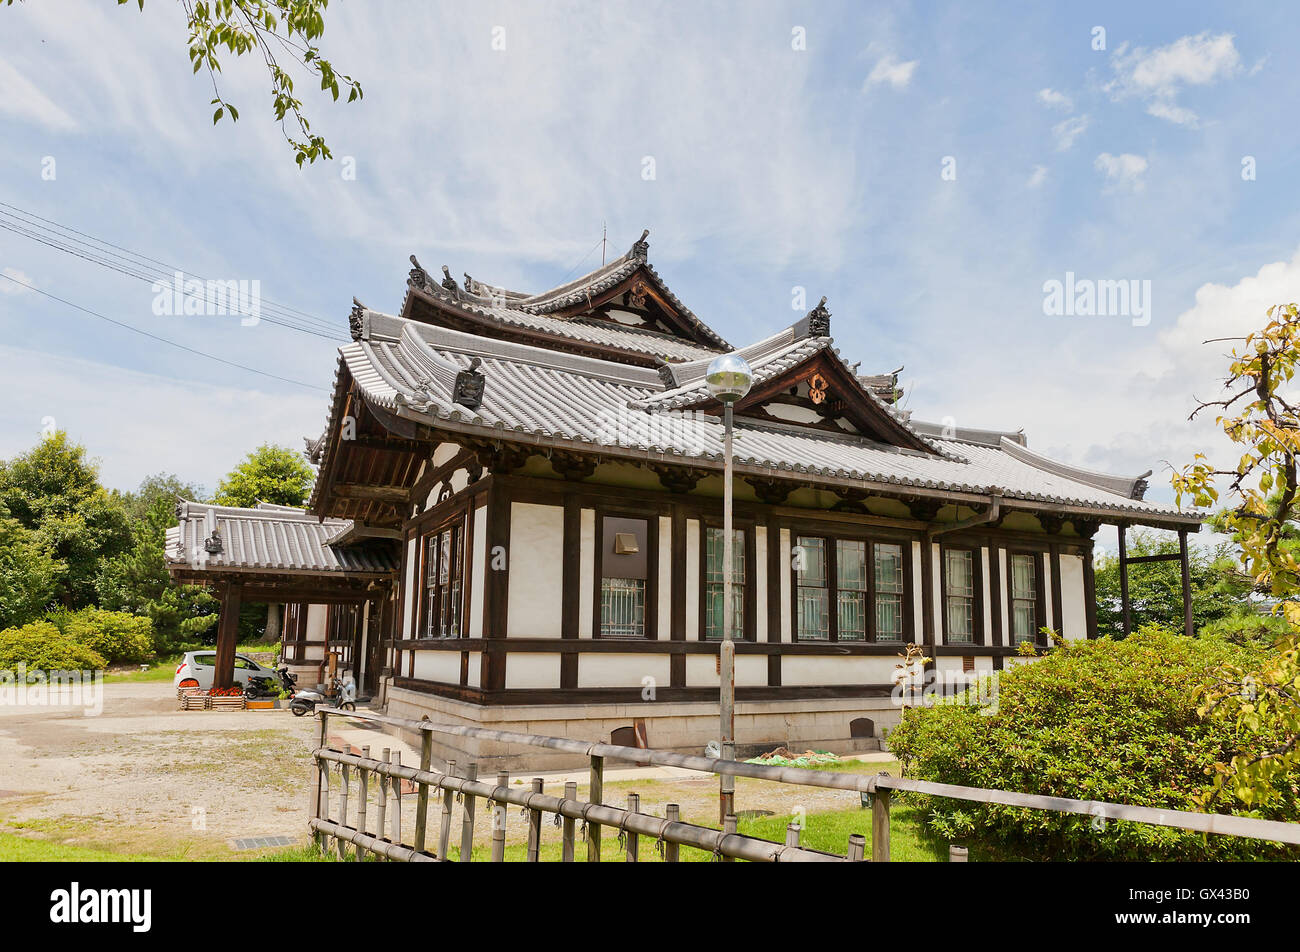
{"type": "Point", "coordinates": [475, 668]}
{"type": "Point", "coordinates": [1002, 598]}
{"type": "Point", "coordinates": [317, 616]}
{"type": "Point", "coordinates": [409, 589]}
{"type": "Point", "coordinates": [610, 670]}
{"type": "Point", "coordinates": [760, 584]}
{"type": "Point", "coordinates": [441, 666]}
{"type": "Point", "coordinates": [692, 580]}
{"type": "Point", "coordinates": [786, 556]}
{"type": "Point", "coordinates": [586, 572]}
{"type": "Point", "coordinates": [918, 597]}
{"type": "Point", "coordinates": [987, 583]}
{"type": "Point", "coordinates": [445, 453]}
{"type": "Point", "coordinates": [532, 670]}
{"type": "Point", "coordinates": [665, 619]}
{"type": "Point", "coordinates": [477, 572]}
{"type": "Point", "coordinates": [459, 480]}
{"type": "Point", "coordinates": [1074, 608]}
{"type": "Point", "coordinates": [798, 670]}
{"type": "Point", "coordinates": [702, 670]}
{"type": "Point", "coordinates": [535, 601]}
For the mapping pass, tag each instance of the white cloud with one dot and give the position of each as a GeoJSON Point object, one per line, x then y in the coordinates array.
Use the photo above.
{"type": "Point", "coordinates": [1037, 176]}
{"type": "Point", "coordinates": [1066, 131]}
{"type": "Point", "coordinates": [1123, 170]}
{"type": "Point", "coordinates": [1056, 100]}
{"type": "Point", "coordinates": [21, 99]}
{"type": "Point", "coordinates": [889, 70]}
{"type": "Point", "coordinates": [1158, 75]}
{"type": "Point", "coordinates": [8, 287]}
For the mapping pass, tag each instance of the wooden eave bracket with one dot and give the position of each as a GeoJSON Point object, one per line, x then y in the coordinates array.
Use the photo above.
{"type": "Point", "coordinates": [991, 514]}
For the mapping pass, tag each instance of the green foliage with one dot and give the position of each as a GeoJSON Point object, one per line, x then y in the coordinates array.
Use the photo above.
{"type": "Point", "coordinates": [53, 491]}
{"type": "Point", "coordinates": [28, 573]}
{"type": "Point", "coordinates": [1099, 720]}
{"type": "Point", "coordinates": [1219, 587]}
{"type": "Point", "coordinates": [117, 636]}
{"type": "Point", "coordinates": [272, 474]}
{"type": "Point", "coordinates": [42, 647]}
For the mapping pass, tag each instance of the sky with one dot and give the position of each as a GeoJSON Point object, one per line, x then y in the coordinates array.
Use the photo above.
{"type": "Point", "coordinates": [932, 169]}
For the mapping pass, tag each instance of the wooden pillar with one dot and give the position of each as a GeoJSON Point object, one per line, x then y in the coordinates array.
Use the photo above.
{"type": "Point", "coordinates": [223, 675]}
{"type": "Point", "coordinates": [1188, 628]}
{"type": "Point", "coordinates": [1123, 582]}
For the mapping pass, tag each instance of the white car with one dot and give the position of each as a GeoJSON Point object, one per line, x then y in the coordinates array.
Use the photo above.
{"type": "Point", "coordinates": [196, 670]}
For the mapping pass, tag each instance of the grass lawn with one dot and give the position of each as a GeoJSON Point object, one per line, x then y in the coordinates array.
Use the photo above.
{"type": "Point", "coordinates": [22, 849]}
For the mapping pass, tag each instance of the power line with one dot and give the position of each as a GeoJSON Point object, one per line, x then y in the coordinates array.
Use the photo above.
{"type": "Point", "coordinates": [121, 264]}
{"type": "Point", "coordinates": [155, 337]}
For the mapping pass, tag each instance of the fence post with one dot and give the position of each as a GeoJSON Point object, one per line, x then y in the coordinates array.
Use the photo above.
{"type": "Point", "coordinates": [535, 827]}
{"type": "Point", "coordinates": [729, 825]}
{"type": "Point", "coordinates": [343, 807]}
{"type": "Point", "coordinates": [363, 785]}
{"type": "Point", "coordinates": [633, 841]}
{"type": "Point", "coordinates": [444, 831]}
{"type": "Point", "coordinates": [316, 802]}
{"type": "Point", "coordinates": [857, 847]}
{"type": "Point", "coordinates": [957, 854]}
{"type": "Point", "coordinates": [880, 826]}
{"type": "Point", "coordinates": [422, 793]}
{"type": "Point", "coordinates": [499, 820]}
{"type": "Point", "coordinates": [467, 814]}
{"type": "Point", "coordinates": [595, 794]}
{"type": "Point", "coordinates": [570, 793]}
{"type": "Point", "coordinates": [381, 821]}
{"type": "Point", "coordinates": [792, 832]}
{"type": "Point", "coordinates": [673, 814]}
{"type": "Point", "coordinates": [397, 800]}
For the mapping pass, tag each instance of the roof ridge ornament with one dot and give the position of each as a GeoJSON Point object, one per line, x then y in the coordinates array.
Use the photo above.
{"type": "Point", "coordinates": [418, 277]}
{"type": "Point", "coordinates": [469, 386]}
{"type": "Point", "coordinates": [448, 281]}
{"type": "Point", "coordinates": [357, 319]}
{"type": "Point", "coordinates": [819, 320]}
{"type": "Point", "coordinates": [665, 371]}
{"type": "Point", "coordinates": [641, 247]}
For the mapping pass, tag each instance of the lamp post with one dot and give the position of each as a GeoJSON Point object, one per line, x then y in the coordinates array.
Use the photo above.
{"type": "Point", "coordinates": [729, 379]}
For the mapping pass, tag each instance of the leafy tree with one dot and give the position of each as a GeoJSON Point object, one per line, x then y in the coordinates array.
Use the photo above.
{"type": "Point", "coordinates": [266, 29]}
{"type": "Point", "coordinates": [1219, 587]}
{"type": "Point", "coordinates": [117, 636]}
{"type": "Point", "coordinates": [42, 647]}
{"type": "Point", "coordinates": [53, 491]}
{"type": "Point", "coordinates": [137, 580]}
{"type": "Point", "coordinates": [271, 474]}
{"type": "Point", "coordinates": [28, 573]}
{"type": "Point", "coordinates": [1263, 699]}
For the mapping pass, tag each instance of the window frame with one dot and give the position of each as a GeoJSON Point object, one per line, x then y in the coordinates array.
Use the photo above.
{"type": "Point", "coordinates": [870, 540]}
{"type": "Point", "coordinates": [457, 522]}
{"type": "Point", "coordinates": [1040, 597]}
{"type": "Point", "coordinates": [652, 621]}
{"type": "Point", "coordinates": [978, 632]}
{"type": "Point", "coordinates": [749, 599]}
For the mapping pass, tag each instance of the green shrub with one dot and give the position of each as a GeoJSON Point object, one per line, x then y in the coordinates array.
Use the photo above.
{"type": "Point", "coordinates": [42, 647]}
{"type": "Point", "coordinates": [1098, 720]}
{"type": "Point", "coordinates": [118, 636]}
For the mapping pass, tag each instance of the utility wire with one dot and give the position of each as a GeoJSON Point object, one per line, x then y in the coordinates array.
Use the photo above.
{"type": "Point", "coordinates": [162, 340]}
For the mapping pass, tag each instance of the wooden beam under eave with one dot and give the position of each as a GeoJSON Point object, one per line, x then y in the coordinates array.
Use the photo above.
{"type": "Point", "coordinates": [395, 495]}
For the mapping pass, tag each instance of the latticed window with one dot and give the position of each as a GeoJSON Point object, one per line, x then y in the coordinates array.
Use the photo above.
{"type": "Point", "coordinates": [812, 594]}
{"type": "Point", "coordinates": [442, 583]}
{"type": "Point", "coordinates": [959, 595]}
{"type": "Point", "coordinates": [863, 581]}
{"type": "Point", "coordinates": [1024, 599]}
{"type": "Point", "coordinates": [889, 591]}
{"type": "Point", "coordinates": [713, 562]}
{"type": "Point", "coordinates": [622, 608]}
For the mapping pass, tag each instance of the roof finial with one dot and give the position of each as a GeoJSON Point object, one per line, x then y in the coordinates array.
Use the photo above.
{"type": "Point", "coordinates": [448, 281]}
{"type": "Point", "coordinates": [357, 319]}
{"type": "Point", "coordinates": [470, 384]}
{"type": "Point", "coordinates": [641, 247]}
{"type": "Point", "coordinates": [419, 278]}
{"type": "Point", "coordinates": [819, 320]}
{"type": "Point", "coordinates": [469, 284]}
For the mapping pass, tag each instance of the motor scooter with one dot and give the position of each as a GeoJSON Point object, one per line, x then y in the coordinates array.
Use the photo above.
{"type": "Point", "coordinates": [345, 698]}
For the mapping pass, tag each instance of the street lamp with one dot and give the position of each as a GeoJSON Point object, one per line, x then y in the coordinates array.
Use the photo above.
{"type": "Point", "coordinates": [729, 379]}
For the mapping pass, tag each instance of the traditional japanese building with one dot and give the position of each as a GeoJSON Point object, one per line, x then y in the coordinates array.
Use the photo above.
{"type": "Point", "coordinates": [548, 470]}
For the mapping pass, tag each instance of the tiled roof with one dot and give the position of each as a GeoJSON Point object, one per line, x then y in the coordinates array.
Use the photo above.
{"type": "Point", "coordinates": [541, 397]}
{"type": "Point", "coordinates": [274, 538]}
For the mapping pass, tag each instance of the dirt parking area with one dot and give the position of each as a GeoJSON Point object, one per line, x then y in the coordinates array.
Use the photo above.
{"type": "Point", "coordinates": [143, 776]}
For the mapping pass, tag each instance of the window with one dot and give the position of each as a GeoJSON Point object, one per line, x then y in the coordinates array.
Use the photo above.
{"type": "Point", "coordinates": [622, 608]}
{"type": "Point", "coordinates": [625, 590]}
{"type": "Point", "coordinates": [1024, 598]}
{"type": "Point", "coordinates": [443, 562]}
{"type": "Point", "coordinates": [713, 563]}
{"type": "Point", "coordinates": [959, 595]}
{"type": "Point", "coordinates": [863, 580]}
